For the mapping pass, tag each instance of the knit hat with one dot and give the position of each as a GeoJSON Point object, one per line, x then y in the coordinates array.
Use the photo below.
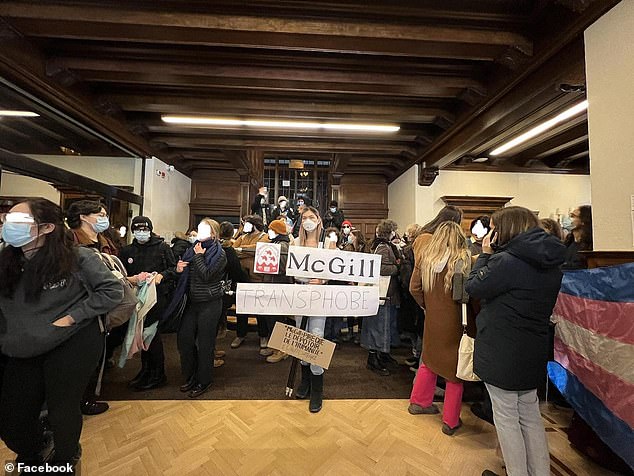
{"type": "Point", "coordinates": [347, 222]}
{"type": "Point", "coordinates": [282, 199]}
{"type": "Point", "coordinates": [278, 226]}
{"type": "Point", "coordinates": [141, 221]}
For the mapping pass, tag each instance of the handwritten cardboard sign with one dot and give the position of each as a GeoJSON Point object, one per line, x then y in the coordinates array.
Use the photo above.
{"type": "Point", "coordinates": [306, 262]}
{"type": "Point", "coordinates": [267, 258]}
{"type": "Point", "coordinates": [301, 344]}
{"type": "Point", "coordinates": [306, 300]}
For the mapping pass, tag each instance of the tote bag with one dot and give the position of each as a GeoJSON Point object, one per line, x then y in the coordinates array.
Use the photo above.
{"type": "Point", "coordinates": [465, 352]}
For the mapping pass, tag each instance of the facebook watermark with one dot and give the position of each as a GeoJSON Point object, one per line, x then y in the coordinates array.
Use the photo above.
{"type": "Point", "coordinates": [45, 468]}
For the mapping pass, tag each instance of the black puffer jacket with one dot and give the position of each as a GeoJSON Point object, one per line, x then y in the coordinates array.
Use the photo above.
{"type": "Point", "coordinates": [204, 281]}
{"type": "Point", "coordinates": [179, 246]}
{"type": "Point", "coordinates": [518, 287]}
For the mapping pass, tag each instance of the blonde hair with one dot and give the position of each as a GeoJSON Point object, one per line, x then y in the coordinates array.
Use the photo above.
{"type": "Point", "coordinates": [448, 241]}
{"type": "Point", "coordinates": [215, 226]}
{"type": "Point", "coordinates": [413, 230]}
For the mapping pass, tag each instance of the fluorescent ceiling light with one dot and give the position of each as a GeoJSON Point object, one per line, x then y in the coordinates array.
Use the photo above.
{"type": "Point", "coordinates": [217, 121]}
{"type": "Point", "coordinates": [541, 128]}
{"type": "Point", "coordinates": [18, 113]}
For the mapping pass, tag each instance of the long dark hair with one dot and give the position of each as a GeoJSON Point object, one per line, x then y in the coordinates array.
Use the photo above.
{"type": "Point", "coordinates": [584, 230]}
{"type": "Point", "coordinates": [448, 213]}
{"type": "Point", "coordinates": [81, 207]}
{"type": "Point", "coordinates": [54, 261]}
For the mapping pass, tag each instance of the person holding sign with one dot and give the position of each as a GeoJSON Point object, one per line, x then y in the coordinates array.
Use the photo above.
{"type": "Point", "coordinates": [277, 235]}
{"type": "Point", "coordinates": [376, 334]}
{"type": "Point", "coordinates": [201, 270]}
{"type": "Point", "coordinates": [312, 384]}
{"type": "Point", "coordinates": [445, 263]}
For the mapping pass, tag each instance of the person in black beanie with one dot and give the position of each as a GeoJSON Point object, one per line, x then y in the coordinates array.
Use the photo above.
{"type": "Point", "coordinates": [150, 254]}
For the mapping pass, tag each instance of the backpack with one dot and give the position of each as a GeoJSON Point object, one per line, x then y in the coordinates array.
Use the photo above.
{"type": "Point", "coordinates": [123, 312]}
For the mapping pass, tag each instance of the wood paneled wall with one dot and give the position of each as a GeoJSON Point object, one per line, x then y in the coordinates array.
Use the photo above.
{"type": "Point", "coordinates": [215, 193]}
{"type": "Point", "coordinates": [364, 201]}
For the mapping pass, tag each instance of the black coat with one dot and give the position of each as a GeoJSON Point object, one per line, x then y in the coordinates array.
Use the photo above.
{"type": "Point", "coordinates": [233, 269]}
{"type": "Point", "coordinates": [153, 256]}
{"type": "Point", "coordinates": [179, 246]}
{"type": "Point", "coordinates": [204, 281]}
{"type": "Point", "coordinates": [518, 287]}
{"type": "Point", "coordinates": [333, 219]}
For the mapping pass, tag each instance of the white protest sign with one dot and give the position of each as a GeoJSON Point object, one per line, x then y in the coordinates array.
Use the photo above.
{"type": "Point", "coordinates": [306, 262]}
{"type": "Point", "coordinates": [301, 344]}
{"type": "Point", "coordinates": [306, 300]}
{"type": "Point", "coordinates": [267, 258]}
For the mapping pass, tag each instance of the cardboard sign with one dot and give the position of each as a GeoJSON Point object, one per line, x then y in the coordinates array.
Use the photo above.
{"type": "Point", "coordinates": [301, 344]}
{"type": "Point", "coordinates": [267, 258]}
{"type": "Point", "coordinates": [305, 262]}
{"type": "Point", "coordinates": [306, 300]}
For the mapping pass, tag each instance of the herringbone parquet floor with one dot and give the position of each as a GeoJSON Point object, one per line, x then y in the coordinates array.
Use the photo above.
{"type": "Point", "coordinates": [348, 437]}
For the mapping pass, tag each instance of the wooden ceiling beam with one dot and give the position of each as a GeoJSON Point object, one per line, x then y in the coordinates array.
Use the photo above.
{"type": "Point", "coordinates": [164, 68]}
{"type": "Point", "coordinates": [277, 108]}
{"type": "Point", "coordinates": [41, 28]}
{"type": "Point", "coordinates": [199, 21]}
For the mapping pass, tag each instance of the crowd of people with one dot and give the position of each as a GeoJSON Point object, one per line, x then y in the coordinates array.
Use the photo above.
{"type": "Point", "coordinates": [55, 291]}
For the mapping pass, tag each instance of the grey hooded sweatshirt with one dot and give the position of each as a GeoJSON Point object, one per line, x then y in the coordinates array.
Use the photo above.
{"type": "Point", "coordinates": [26, 327]}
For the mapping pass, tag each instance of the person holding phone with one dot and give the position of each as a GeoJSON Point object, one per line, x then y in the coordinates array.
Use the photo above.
{"type": "Point", "coordinates": [517, 278]}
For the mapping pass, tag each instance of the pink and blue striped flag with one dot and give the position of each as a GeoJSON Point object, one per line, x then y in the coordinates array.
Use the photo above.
{"type": "Point", "coordinates": [594, 352]}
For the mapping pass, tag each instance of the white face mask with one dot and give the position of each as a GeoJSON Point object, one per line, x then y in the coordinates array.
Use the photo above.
{"type": "Point", "coordinates": [192, 239]}
{"type": "Point", "coordinates": [204, 232]}
{"type": "Point", "coordinates": [248, 227]}
{"type": "Point", "coordinates": [346, 230]}
{"type": "Point", "coordinates": [333, 237]}
{"type": "Point", "coordinates": [392, 235]}
{"type": "Point", "coordinates": [478, 230]}
{"type": "Point", "coordinates": [309, 225]}
{"type": "Point", "coordinates": [283, 204]}
{"type": "Point", "coordinates": [333, 209]}
{"type": "Point", "coordinates": [272, 235]}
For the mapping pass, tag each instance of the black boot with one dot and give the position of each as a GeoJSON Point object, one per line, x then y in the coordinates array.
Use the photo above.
{"type": "Point", "coordinates": [386, 359]}
{"type": "Point", "coordinates": [316, 392]}
{"type": "Point", "coordinates": [144, 374]}
{"type": "Point", "coordinates": [157, 379]}
{"type": "Point", "coordinates": [303, 391]}
{"type": "Point", "coordinates": [375, 364]}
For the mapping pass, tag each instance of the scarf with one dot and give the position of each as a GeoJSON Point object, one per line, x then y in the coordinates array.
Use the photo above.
{"type": "Point", "coordinates": [213, 250]}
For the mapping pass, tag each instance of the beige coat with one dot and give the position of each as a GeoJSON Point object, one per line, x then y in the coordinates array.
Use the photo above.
{"type": "Point", "coordinates": [247, 258]}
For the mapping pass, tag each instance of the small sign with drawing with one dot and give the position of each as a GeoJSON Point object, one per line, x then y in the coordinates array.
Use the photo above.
{"type": "Point", "coordinates": [267, 258]}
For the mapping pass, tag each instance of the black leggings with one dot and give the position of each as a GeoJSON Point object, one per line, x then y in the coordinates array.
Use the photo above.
{"type": "Point", "coordinates": [57, 378]}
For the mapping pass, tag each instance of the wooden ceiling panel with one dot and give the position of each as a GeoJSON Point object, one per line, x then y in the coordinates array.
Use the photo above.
{"type": "Point", "coordinates": [458, 77]}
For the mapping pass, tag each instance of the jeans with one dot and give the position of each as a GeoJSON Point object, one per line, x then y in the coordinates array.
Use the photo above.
{"type": "Point", "coordinates": [376, 331]}
{"type": "Point", "coordinates": [316, 326]}
{"type": "Point", "coordinates": [197, 340]}
{"type": "Point", "coordinates": [57, 378]}
{"type": "Point", "coordinates": [423, 395]}
{"type": "Point", "coordinates": [520, 430]}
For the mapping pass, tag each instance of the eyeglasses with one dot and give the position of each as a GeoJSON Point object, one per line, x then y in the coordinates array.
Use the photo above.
{"type": "Point", "coordinates": [141, 228]}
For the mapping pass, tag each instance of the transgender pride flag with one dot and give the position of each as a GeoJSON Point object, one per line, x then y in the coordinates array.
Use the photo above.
{"type": "Point", "coordinates": [594, 352]}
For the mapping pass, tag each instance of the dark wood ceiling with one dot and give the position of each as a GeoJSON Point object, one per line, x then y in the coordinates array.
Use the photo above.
{"type": "Point", "coordinates": [459, 77]}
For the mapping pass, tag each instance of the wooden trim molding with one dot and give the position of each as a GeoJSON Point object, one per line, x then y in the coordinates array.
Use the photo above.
{"type": "Point", "coordinates": [598, 259]}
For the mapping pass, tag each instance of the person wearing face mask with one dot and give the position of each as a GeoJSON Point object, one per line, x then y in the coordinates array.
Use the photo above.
{"type": "Point", "coordinates": [312, 382]}
{"type": "Point", "coordinates": [180, 243]}
{"type": "Point", "coordinates": [282, 209]}
{"type": "Point", "coordinates": [88, 220]}
{"type": "Point", "coordinates": [277, 234]}
{"type": "Point", "coordinates": [302, 202]}
{"type": "Point", "coordinates": [334, 216]}
{"type": "Point", "coordinates": [252, 233]}
{"type": "Point", "coordinates": [51, 296]}
{"type": "Point", "coordinates": [260, 206]}
{"type": "Point", "coordinates": [150, 254]}
{"type": "Point", "coordinates": [201, 271]}
{"type": "Point", "coordinates": [346, 236]}
{"type": "Point", "coordinates": [479, 229]}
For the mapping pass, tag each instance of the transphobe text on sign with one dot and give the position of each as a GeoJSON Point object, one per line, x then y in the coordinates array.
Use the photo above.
{"type": "Point", "coordinates": [306, 262]}
{"type": "Point", "coordinates": [306, 300]}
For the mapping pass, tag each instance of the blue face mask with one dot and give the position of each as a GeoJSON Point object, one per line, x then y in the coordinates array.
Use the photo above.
{"type": "Point", "coordinates": [17, 234]}
{"type": "Point", "coordinates": [102, 224]}
{"type": "Point", "coordinates": [141, 236]}
{"type": "Point", "coordinates": [333, 209]}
